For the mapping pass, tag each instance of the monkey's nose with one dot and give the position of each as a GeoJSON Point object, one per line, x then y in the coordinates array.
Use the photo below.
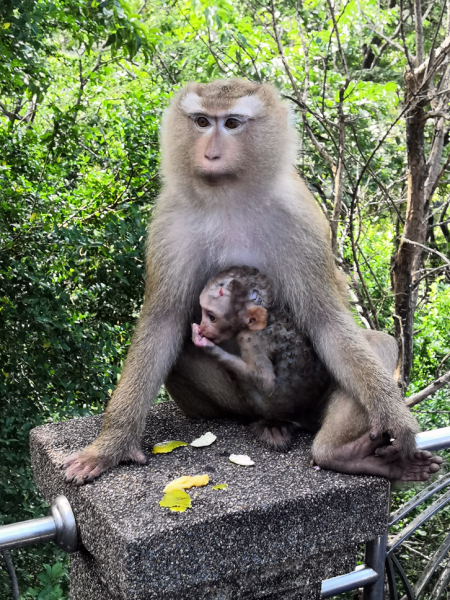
{"type": "Point", "coordinates": [212, 155]}
{"type": "Point", "coordinates": [213, 149]}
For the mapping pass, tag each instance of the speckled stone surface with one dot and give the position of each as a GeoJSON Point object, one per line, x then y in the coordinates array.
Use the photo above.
{"type": "Point", "coordinates": [279, 529]}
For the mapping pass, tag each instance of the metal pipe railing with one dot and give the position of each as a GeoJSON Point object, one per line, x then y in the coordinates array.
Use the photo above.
{"type": "Point", "coordinates": [436, 439]}
{"type": "Point", "coordinates": [376, 550]}
{"type": "Point", "coordinates": [58, 527]}
{"type": "Point", "coordinates": [360, 577]}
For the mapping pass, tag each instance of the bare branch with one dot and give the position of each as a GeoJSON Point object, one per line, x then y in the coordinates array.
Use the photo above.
{"type": "Point", "coordinates": [431, 250]}
{"type": "Point", "coordinates": [405, 45]}
{"type": "Point", "coordinates": [430, 186]}
{"type": "Point", "coordinates": [446, 357]}
{"type": "Point", "coordinates": [437, 30]}
{"type": "Point", "coordinates": [244, 49]}
{"type": "Point", "coordinates": [387, 39]}
{"type": "Point", "coordinates": [165, 67]}
{"type": "Point", "coordinates": [319, 146]}
{"type": "Point", "coordinates": [339, 176]}
{"type": "Point", "coordinates": [357, 299]}
{"type": "Point", "coordinates": [372, 317]}
{"type": "Point", "coordinates": [419, 30]}
{"type": "Point", "coordinates": [124, 68]}
{"type": "Point", "coordinates": [429, 9]}
{"type": "Point", "coordinates": [447, 91]}
{"type": "Point", "coordinates": [439, 57]}
{"type": "Point", "coordinates": [439, 383]}
{"type": "Point", "coordinates": [436, 115]}
{"type": "Point", "coordinates": [276, 37]}
{"type": "Point", "coordinates": [305, 54]}
{"type": "Point", "coordinates": [427, 273]}
{"type": "Point", "coordinates": [341, 52]}
{"type": "Point", "coordinates": [12, 116]}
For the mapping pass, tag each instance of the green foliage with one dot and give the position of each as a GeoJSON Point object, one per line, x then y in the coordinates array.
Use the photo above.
{"type": "Point", "coordinates": [432, 342]}
{"type": "Point", "coordinates": [51, 581]}
{"type": "Point", "coordinates": [82, 88]}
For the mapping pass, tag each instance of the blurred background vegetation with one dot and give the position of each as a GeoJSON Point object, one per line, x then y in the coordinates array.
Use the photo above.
{"type": "Point", "coordinates": [83, 84]}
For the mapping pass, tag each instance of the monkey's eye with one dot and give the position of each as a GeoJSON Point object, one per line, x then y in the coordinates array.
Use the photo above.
{"type": "Point", "coordinates": [211, 317]}
{"type": "Point", "coordinates": [232, 123]}
{"type": "Point", "coordinates": [202, 122]}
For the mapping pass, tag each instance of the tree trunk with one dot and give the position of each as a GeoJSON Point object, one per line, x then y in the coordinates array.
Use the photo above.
{"type": "Point", "coordinates": [407, 259]}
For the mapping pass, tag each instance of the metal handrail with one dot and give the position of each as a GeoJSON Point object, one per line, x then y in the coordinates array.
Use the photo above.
{"type": "Point", "coordinates": [59, 527]}
{"type": "Point", "coordinates": [425, 494]}
{"type": "Point", "coordinates": [360, 577]}
{"type": "Point", "coordinates": [417, 522]}
{"type": "Point", "coordinates": [433, 440]}
{"type": "Point", "coordinates": [377, 550]}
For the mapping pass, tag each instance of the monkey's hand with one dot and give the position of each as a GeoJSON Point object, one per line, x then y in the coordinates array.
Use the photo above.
{"type": "Point", "coordinates": [88, 464]}
{"type": "Point", "coordinates": [200, 340]}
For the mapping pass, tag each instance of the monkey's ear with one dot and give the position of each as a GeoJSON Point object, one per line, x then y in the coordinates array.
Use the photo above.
{"type": "Point", "coordinates": [256, 318]}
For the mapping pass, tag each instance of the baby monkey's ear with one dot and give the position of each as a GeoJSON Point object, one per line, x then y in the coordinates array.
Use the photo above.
{"type": "Point", "coordinates": [255, 317]}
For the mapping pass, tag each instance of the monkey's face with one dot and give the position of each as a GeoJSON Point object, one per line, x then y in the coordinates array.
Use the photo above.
{"type": "Point", "coordinates": [226, 133]}
{"type": "Point", "coordinates": [216, 324]}
{"type": "Point", "coordinates": [217, 147]}
{"type": "Point", "coordinates": [220, 133]}
{"type": "Point", "coordinates": [224, 314]}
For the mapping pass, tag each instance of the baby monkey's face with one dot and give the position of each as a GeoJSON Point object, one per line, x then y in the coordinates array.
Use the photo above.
{"type": "Point", "coordinates": [223, 318]}
{"type": "Point", "coordinates": [217, 324]}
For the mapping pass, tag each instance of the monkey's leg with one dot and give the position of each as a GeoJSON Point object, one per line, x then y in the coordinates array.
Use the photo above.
{"type": "Point", "coordinates": [345, 442]}
{"type": "Point", "coordinates": [352, 360]}
{"type": "Point", "coordinates": [202, 388]}
{"type": "Point", "coordinates": [276, 435]}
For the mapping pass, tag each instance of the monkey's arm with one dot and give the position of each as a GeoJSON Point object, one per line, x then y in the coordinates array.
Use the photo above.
{"type": "Point", "coordinates": [253, 367]}
{"type": "Point", "coordinates": [156, 343]}
{"type": "Point", "coordinates": [319, 311]}
{"type": "Point", "coordinates": [154, 348]}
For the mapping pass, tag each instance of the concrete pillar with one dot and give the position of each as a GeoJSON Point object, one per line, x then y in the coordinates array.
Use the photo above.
{"type": "Point", "coordinates": [276, 533]}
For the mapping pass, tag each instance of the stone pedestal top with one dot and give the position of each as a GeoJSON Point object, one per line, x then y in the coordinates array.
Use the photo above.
{"type": "Point", "coordinates": [280, 523]}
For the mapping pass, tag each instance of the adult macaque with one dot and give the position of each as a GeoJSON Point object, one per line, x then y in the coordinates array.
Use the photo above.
{"type": "Point", "coordinates": [231, 195]}
{"type": "Point", "coordinates": [280, 377]}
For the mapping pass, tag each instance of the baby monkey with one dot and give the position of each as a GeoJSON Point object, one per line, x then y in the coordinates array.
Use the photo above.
{"type": "Point", "coordinates": [278, 373]}
{"type": "Point", "coordinates": [282, 384]}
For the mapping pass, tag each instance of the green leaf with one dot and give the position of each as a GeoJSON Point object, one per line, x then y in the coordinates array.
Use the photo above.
{"type": "Point", "coordinates": [391, 86]}
{"type": "Point", "coordinates": [166, 447]}
{"type": "Point", "coordinates": [177, 501]}
{"type": "Point", "coordinates": [220, 486]}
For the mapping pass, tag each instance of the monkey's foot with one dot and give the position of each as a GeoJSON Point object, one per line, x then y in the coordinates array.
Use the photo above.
{"type": "Point", "coordinates": [86, 465]}
{"type": "Point", "coordinates": [277, 435]}
{"type": "Point", "coordinates": [369, 455]}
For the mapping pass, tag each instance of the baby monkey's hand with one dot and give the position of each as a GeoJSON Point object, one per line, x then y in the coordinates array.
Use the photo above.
{"type": "Point", "coordinates": [199, 339]}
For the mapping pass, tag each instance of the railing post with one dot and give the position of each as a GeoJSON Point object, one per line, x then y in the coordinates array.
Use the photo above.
{"type": "Point", "coordinates": [375, 557]}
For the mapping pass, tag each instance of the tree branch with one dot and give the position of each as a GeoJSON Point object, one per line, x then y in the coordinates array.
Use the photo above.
{"type": "Point", "coordinates": [431, 250]}
{"type": "Point", "coordinates": [12, 116]}
{"type": "Point", "coordinates": [439, 383]}
{"type": "Point", "coordinates": [341, 52]}
{"type": "Point", "coordinates": [419, 31]}
{"type": "Point", "coordinates": [439, 57]}
{"type": "Point", "coordinates": [339, 176]}
{"type": "Point", "coordinates": [319, 146]}
{"type": "Point", "coordinates": [276, 37]}
{"type": "Point", "coordinates": [387, 39]}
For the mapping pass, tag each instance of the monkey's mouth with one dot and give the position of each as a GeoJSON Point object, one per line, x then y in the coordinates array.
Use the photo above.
{"type": "Point", "coordinates": [208, 337]}
{"type": "Point", "coordinates": [216, 178]}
